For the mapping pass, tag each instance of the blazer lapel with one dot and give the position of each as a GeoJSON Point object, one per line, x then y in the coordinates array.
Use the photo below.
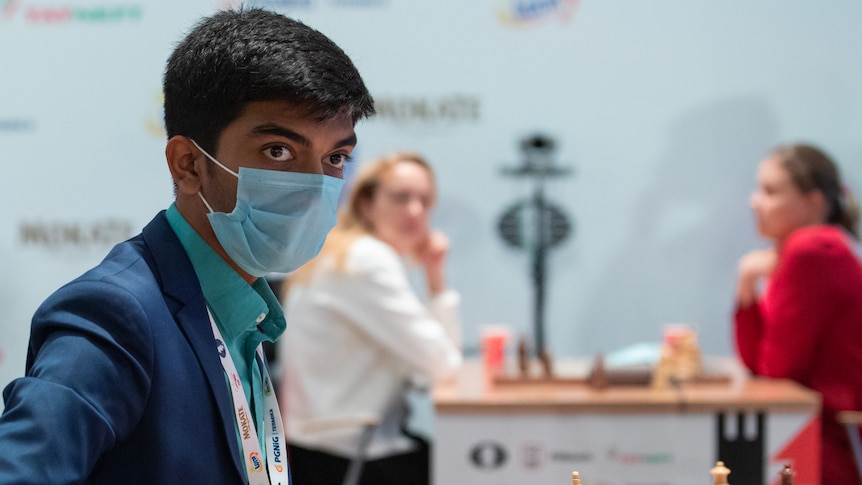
{"type": "Point", "coordinates": [186, 301]}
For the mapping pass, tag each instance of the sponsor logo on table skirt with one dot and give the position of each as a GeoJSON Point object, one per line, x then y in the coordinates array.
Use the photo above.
{"type": "Point", "coordinates": [532, 455]}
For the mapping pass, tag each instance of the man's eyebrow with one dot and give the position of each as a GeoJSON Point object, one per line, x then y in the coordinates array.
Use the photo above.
{"type": "Point", "coordinates": [292, 135]}
{"type": "Point", "coordinates": [349, 141]}
{"type": "Point", "coordinates": [281, 131]}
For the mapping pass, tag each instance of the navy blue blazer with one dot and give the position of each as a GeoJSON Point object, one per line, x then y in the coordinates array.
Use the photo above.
{"type": "Point", "coordinates": [123, 382]}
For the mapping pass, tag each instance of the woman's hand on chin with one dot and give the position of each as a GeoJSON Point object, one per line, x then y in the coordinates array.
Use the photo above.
{"type": "Point", "coordinates": [431, 253]}
{"type": "Point", "coordinates": [753, 267]}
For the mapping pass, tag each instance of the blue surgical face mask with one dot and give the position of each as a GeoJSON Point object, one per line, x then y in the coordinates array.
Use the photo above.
{"type": "Point", "coordinates": [280, 221]}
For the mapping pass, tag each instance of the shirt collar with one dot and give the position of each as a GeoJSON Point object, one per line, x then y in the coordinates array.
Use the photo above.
{"type": "Point", "coordinates": [238, 308]}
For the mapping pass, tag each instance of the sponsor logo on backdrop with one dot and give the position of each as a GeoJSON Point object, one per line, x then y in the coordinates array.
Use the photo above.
{"type": "Point", "coordinates": [281, 5]}
{"type": "Point", "coordinates": [13, 125]}
{"type": "Point", "coordinates": [488, 455]}
{"type": "Point", "coordinates": [449, 109]}
{"type": "Point", "coordinates": [272, 4]}
{"type": "Point", "coordinates": [9, 8]}
{"type": "Point", "coordinates": [640, 458]}
{"type": "Point", "coordinates": [360, 3]}
{"type": "Point", "coordinates": [57, 236]}
{"type": "Point", "coordinates": [64, 14]}
{"type": "Point", "coordinates": [524, 13]}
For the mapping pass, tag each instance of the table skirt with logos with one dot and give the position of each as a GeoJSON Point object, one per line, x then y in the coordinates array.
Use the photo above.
{"type": "Point", "coordinates": [537, 432]}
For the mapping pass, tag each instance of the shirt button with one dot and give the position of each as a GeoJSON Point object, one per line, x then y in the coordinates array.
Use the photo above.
{"type": "Point", "coordinates": [261, 317]}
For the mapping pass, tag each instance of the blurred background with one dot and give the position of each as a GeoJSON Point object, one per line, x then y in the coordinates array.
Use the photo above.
{"type": "Point", "coordinates": [649, 117]}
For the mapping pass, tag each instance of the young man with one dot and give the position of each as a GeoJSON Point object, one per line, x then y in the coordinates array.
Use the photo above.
{"type": "Point", "coordinates": [145, 369]}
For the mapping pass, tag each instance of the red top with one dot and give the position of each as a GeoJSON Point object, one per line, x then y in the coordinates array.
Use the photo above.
{"type": "Point", "coordinates": [807, 326]}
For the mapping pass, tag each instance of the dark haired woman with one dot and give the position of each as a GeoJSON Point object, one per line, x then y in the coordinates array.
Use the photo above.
{"type": "Point", "coordinates": [799, 302]}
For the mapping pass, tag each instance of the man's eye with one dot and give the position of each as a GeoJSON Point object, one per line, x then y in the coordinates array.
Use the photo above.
{"type": "Point", "coordinates": [338, 160]}
{"type": "Point", "coordinates": [278, 153]}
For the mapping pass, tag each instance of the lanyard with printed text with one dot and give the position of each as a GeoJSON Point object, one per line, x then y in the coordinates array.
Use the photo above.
{"type": "Point", "coordinates": [273, 434]}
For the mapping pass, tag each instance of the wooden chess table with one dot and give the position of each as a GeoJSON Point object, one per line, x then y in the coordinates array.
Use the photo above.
{"type": "Point", "coordinates": [502, 431]}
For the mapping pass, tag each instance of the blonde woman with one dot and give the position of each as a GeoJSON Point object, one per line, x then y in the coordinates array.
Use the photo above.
{"type": "Point", "coordinates": [358, 331]}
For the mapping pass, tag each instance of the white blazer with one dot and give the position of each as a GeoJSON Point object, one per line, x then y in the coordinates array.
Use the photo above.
{"type": "Point", "coordinates": [353, 338]}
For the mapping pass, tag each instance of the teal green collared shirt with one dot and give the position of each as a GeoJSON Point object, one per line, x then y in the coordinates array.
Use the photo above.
{"type": "Point", "coordinates": [246, 315]}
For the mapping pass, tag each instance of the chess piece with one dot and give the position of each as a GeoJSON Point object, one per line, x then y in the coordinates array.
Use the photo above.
{"type": "Point", "coordinates": [576, 479]}
{"type": "Point", "coordinates": [523, 358]}
{"type": "Point", "coordinates": [786, 475]}
{"type": "Point", "coordinates": [547, 364]}
{"type": "Point", "coordinates": [598, 377]}
{"type": "Point", "coordinates": [719, 474]}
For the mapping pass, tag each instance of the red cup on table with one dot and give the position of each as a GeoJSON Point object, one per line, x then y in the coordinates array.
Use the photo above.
{"type": "Point", "coordinates": [494, 339]}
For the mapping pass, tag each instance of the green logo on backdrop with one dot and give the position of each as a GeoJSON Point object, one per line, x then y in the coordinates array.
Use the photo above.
{"type": "Point", "coordinates": [62, 14]}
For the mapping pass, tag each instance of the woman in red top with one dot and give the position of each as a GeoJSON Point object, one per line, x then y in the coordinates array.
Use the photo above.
{"type": "Point", "coordinates": [799, 302]}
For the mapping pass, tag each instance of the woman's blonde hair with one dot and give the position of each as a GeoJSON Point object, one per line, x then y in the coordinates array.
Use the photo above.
{"type": "Point", "coordinates": [352, 222]}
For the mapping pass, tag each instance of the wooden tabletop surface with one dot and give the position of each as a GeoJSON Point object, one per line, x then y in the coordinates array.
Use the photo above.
{"type": "Point", "coordinates": [471, 392]}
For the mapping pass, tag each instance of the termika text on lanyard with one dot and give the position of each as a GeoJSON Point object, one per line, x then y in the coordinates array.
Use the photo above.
{"type": "Point", "coordinates": [276, 462]}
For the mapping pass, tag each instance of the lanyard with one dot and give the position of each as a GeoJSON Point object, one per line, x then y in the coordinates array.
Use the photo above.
{"type": "Point", "coordinates": [273, 434]}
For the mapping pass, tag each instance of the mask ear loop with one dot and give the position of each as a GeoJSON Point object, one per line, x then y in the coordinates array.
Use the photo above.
{"type": "Point", "coordinates": [209, 208]}
{"type": "Point", "coordinates": [212, 159]}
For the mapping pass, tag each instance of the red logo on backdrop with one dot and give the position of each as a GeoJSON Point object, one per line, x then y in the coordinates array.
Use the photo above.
{"type": "Point", "coordinates": [803, 452]}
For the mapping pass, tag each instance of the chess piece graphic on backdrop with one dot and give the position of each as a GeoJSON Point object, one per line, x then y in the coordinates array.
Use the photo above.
{"type": "Point", "coordinates": [744, 452]}
{"type": "Point", "coordinates": [535, 224]}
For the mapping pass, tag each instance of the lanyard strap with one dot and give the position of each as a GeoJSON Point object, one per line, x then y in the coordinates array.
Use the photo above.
{"type": "Point", "coordinates": [273, 434]}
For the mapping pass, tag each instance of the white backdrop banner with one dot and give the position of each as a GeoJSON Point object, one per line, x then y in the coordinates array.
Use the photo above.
{"type": "Point", "coordinates": [657, 112]}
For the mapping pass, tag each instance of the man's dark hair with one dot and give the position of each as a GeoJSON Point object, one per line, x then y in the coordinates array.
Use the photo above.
{"type": "Point", "coordinates": [235, 57]}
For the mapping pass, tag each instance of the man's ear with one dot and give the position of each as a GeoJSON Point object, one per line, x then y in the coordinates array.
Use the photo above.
{"type": "Point", "coordinates": [182, 154]}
